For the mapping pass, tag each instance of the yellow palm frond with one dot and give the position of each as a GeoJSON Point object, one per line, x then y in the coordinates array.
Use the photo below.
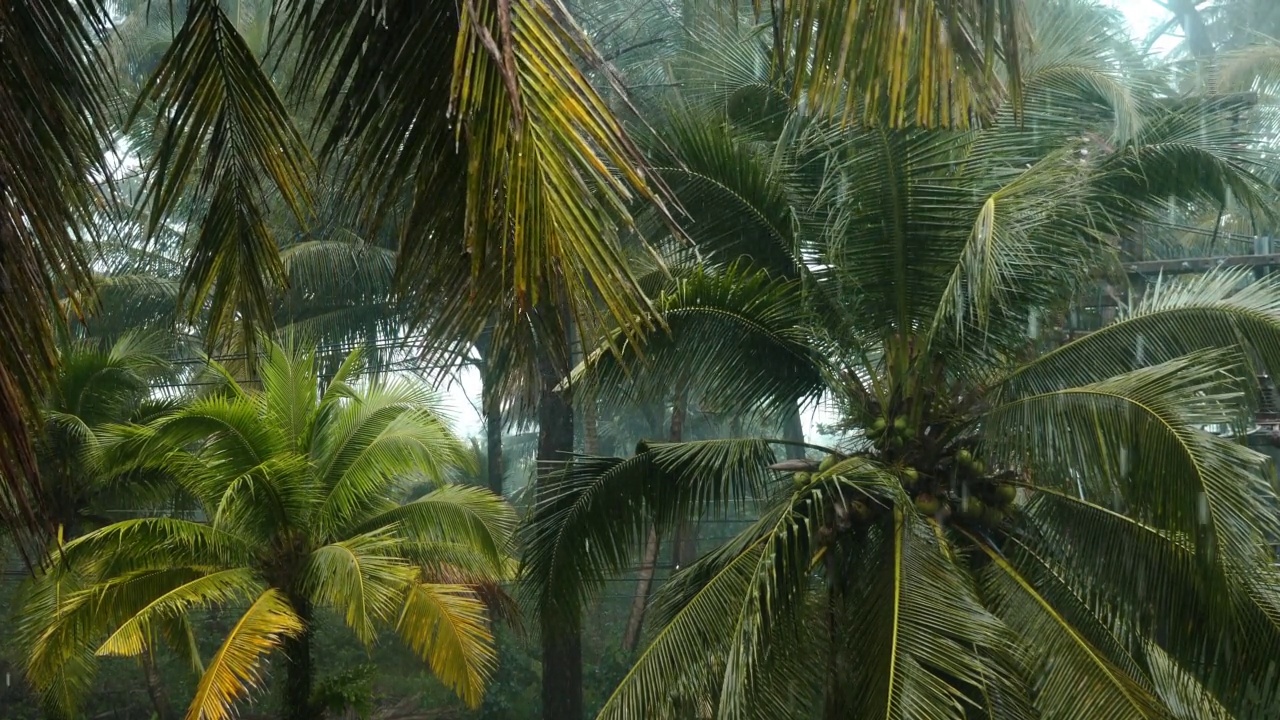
{"type": "Point", "coordinates": [235, 668]}
{"type": "Point", "coordinates": [448, 627]}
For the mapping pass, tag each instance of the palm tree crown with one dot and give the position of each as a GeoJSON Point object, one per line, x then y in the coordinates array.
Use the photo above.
{"type": "Point", "coordinates": [1005, 532]}
{"type": "Point", "coordinates": [296, 486]}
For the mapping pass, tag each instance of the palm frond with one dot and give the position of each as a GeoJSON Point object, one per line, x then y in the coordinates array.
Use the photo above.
{"type": "Point", "coordinates": [448, 627]}
{"type": "Point", "coordinates": [53, 92]}
{"type": "Point", "coordinates": [138, 632]}
{"type": "Point", "coordinates": [1136, 440]}
{"type": "Point", "coordinates": [741, 334]}
{"type": "Point", "coordinates": [506, 125]}
{"type": "Point", "coordinates": [364, 577]}
{"type": "Point", "coordinates": [1069, 666]}
{"type": "Point", "coordinates": [379, 439]}
{"type": "Point", "coordinates": [236, 667]}
{"type": "Point", "coordinates": [228, 133]}
{"type": "Point", "coordinates": [455, 515]}
{"type": "Point", "coordinates": [595, 511]}
{"type": "Point", "coordinates": [898, 63]}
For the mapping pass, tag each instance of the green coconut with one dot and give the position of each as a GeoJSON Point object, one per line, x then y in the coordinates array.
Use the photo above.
{"type": "Point", "coordinates": [801, 479]}
{"type": "Point", "coordinates": [972, 507]}
{"type": "Point", "coordinates": [927, 504]}
{"type": "Point", "coordinates": [1006, 494]}
{"type": "Point", "coordinates": [910, 476]}
{"type": "Point", "coordinates": [964, 456]}
{"type": "Point", "coordinates": [899, 424]}
{"type": "Point", "coordinates": [827, 463]}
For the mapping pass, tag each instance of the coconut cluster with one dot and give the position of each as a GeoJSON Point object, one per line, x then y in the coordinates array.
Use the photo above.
{"type": "Point", "coordinates": [957, 484]}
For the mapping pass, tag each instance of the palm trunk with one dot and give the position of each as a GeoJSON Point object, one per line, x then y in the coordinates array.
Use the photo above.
{"type": "Point", "coordinates": [684, 546]}
{"type": "Point", "coordinates": [561, 627]}
{"type": "Point", "coordinates": [155, 688]}
{"type": "Point", "coordinates": [793, 432]}
{"type": "Point", "coordinates": [644, 584]}
{"type": "Point", "coordinates": [299, 666]}
{"type": "Point", "coordinates": [833, 702]}
{"type": "Point", "coordinates": [492, 406]}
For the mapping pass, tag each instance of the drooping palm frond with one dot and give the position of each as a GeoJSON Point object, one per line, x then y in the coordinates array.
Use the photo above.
{"type": "Point", "coordinates": [447, 626]}
{"type": "Point", "coordinates": [710, 317]}
{"type": "Point", "coordinates": [505, 136]}
{"type": "Point", "coordinates": [54, 121]}
{"type": "Point", "coordinates": [227, 132]}
{"type": "Point", "coordinates": [598, 509]}
{"type": "Point", "coordinates": [900, 63]}
{"type": "Point", "coordinates": [235, 667]}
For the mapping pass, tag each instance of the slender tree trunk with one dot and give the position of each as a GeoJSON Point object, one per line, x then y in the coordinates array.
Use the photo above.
{"type": "Point", "coordinates": [561, 627]}
{"type": "Point", "coordinates": [644, 584]}
{"type": "Point", "coordinates": [492, 406]}
{"type": "Point", "coordinates": [793, 431]}
{"type": "Point", "coordinates": [155, 688]}
{"type": "Point", "coordinates": [590, 427]}
{"type": "Point", "coordinates": [684, 546]}
{"type": "Point", "coordinates": [299, 666]}
{"type": "Point", "coordinates": [833, 702]}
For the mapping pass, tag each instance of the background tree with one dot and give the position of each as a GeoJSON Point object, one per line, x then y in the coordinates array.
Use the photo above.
{"type": "Point", "coordinates": [296, 487]}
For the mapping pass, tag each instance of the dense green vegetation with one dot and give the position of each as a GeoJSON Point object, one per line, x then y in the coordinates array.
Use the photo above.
{"type": "Point", "coordinates": [814, 376]}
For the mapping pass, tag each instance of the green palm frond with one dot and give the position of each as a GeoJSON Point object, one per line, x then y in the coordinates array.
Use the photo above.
{"type": "Point", "coordinates": [715, 320]}
{"type": "Point", "coordinates": [1225, 309]}
{"type": "Point", "coordinates": [228, 134]}
{"type": "Point", "coordinates": [468, 517]}
{"type": "Point", "coordinates": [447, 626]}
{"type": "Point", "coordinates": [1126, 438]}
{"type": "Point", "coordinates": [236, 666]}
{"type": "Point", "coordinates": [394, 430]}
{"type": "Point", "coordinates": [1071, 666]}
{"type": "Point", "coordinates": [194, 589]}
{"type": "Point", "coordinates": [898, 63]}
{"type": "Point", "coordinates": [54, 92]}
{"type": "Point", "coordinates": [597, 510]}
{"type": "Point", "coordinates": [363, 577]}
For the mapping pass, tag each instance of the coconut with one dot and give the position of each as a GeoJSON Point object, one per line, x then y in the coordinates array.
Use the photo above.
{"type": "Point", "coordinates": [927, 504]}
{"type": "Point", "coordinates": [899, 424]}
{"type": "Point", "coordinates": [972, 508]}
{"type": "Point", "coordinates": [910, 476]}
{"type": "Point", "coordinates": [801, 479]}
{"type": "Point", "coordinates": [1005, 493]}
{"type": "Point", "coordinates": [828, 462]}
{"type": "Point", "coordinates": [964, 456]}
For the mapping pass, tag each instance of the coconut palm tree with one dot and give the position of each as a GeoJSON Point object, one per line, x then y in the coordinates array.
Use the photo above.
{"type": "Point", "coordinates": [97, 387]}
{"type": "Point", "coordinates": [1005, 532]}
{"type": "Point", "coordinates": [295, 484]}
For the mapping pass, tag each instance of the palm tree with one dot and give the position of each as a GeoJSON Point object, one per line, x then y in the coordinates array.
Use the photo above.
{"type": "Point", "coordinates": [97, 387]}
{"type": "Point", "coordinates": [499, 130]}
{"type": "Point", "coordinates": [295, 484]}
{"type": "Point", "coordinates": [1005, 532]}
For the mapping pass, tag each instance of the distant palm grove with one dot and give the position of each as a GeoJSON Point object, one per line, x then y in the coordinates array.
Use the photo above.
{"type": "Point", "coordinates": [568, 359]}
